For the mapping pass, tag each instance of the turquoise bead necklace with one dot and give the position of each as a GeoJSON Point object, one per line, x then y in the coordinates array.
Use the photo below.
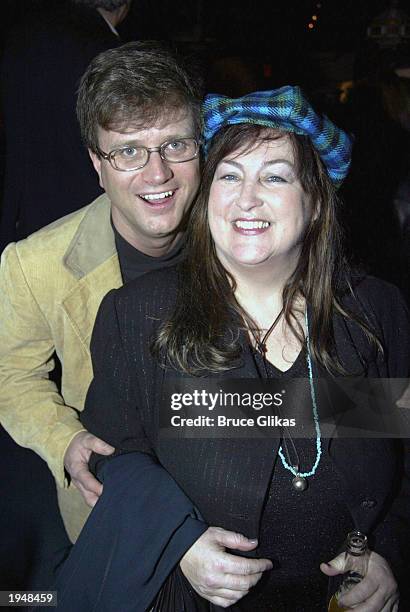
{"type": "Point", "coordinates": [299, 481]}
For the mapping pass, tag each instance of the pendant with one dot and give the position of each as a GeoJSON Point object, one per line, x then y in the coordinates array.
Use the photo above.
{"type": "Point", "coordinates": [299, 483]}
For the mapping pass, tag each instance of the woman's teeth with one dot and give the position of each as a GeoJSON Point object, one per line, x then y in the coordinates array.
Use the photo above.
{"type": "Point", "coordinates": [252, 224]}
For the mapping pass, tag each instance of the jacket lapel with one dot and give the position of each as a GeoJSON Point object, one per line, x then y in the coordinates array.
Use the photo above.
{"type": "Point", "coordinates": [92, 258]}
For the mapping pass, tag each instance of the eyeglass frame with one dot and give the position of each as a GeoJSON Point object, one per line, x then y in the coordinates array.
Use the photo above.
{"type": "Point", "coordinates": [110, 156]}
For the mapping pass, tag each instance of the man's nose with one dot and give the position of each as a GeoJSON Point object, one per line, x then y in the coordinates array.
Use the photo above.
{"type": "Point", "coordinates": [157, 171]}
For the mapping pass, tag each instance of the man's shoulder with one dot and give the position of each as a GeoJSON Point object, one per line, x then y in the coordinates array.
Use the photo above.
{"type": "Point", "coordinates": [51, 242]}
{"type": "Point", "coordinates": [61, 232]}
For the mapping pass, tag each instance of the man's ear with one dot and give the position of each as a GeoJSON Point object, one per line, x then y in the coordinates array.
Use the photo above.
{"type": "Point", "coordinates": [96, 160]}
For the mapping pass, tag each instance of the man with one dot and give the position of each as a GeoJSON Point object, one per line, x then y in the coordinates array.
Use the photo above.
{"type": "Point", "coordinates": [52, 283]}
{"type": "Point", "coordinates": [44, 58]}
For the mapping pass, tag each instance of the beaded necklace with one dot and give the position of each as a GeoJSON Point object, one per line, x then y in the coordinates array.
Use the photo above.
{"type": "Point", "coordinates": [299, 481]}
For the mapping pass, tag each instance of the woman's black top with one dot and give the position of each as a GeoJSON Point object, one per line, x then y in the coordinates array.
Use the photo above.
{"type": "Point", "coordinates": [361, 481]}
{"type": "Point", "coordinates": [309, 525]}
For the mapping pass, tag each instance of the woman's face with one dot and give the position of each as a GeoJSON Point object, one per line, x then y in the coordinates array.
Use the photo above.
{"type": "Point", "coordinates": [258, 211]}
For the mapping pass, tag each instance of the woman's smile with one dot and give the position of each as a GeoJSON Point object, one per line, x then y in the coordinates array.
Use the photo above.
{"type": "Point", "coordinates": [250, 227]}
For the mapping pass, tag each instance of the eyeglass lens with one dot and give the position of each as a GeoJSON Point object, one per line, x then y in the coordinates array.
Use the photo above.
{"type": "Point", "coordinates": [132, 158]}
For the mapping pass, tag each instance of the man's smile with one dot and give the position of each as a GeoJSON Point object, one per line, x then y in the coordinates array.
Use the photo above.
{"type": "Point", "coordinates": [157, 197]}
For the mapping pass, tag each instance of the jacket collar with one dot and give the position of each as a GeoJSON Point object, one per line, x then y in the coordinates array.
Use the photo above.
{"type": "Point", "coordinates": [94, 242]}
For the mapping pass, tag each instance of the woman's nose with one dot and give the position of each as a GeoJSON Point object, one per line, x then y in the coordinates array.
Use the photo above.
{"type": "Point", "coordinates": [249, 196]}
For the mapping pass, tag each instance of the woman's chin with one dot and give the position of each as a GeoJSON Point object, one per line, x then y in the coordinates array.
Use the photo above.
{"type": "Point", "coordinates": [247, 259]}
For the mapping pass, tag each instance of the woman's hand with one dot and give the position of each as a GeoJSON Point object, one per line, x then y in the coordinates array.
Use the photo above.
{"type": "Point", "coordinates": [377, 592]}
{"type": "Point", "coordinates": [218, 576]}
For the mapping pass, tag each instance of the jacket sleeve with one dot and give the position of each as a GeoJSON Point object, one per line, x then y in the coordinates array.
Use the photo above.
{"type": "Point", "coordinates": [31, 408]}
{"type": "Point", "coordinates": [113, 400]}
{"type": "Point", "coordinates": [136, 534]}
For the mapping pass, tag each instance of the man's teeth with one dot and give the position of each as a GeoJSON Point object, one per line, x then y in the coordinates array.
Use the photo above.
{"type": "Point", "coordinates": [152, 197]}
{"type": "Point", "coordinates": [252, 224]}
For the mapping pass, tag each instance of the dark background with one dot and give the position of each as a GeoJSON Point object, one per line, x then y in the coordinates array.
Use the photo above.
{"type": "Point", "coordinates": [278, 29]}
{"type": "Point", "coordinates": [341, 25]}
{"type": "Point", "coordinates": [244, 45]}
{"type": "Point", "coordinates": [271, 40]}
{"type": "Point", "coordinates": [241, 46]}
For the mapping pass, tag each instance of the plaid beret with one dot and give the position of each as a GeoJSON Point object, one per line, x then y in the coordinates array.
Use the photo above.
{"type": "Point", "coordinates": [285, 109]}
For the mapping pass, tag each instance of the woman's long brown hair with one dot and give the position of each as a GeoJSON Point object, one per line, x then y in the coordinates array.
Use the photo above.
{"type": "Point", "coordinates": [202, 334]}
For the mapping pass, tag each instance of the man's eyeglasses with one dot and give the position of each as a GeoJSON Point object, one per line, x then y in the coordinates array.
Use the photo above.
{"type": "Point", "coordinates": [130, 157]}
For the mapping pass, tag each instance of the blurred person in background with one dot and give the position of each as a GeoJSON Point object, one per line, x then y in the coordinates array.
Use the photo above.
{"type": "Point", "coordinates": [47, 170]}
{"type": "Point", "coordinates": [377, 113]}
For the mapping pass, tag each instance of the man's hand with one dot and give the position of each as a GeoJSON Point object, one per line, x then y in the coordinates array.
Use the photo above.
{"type": "Point", "coordinates": [218, 576]}
{"type": "Point", "coordinates": [377, 592]}
{"type": "Point", "coordinates": [76, 463]}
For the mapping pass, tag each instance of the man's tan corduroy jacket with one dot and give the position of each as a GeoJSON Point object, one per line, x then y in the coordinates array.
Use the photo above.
{"type": "Point", "coordinates": [51, 286]}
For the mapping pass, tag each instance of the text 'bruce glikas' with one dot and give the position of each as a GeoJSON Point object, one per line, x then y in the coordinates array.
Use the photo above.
{"type": "Point", "coordinates": [223, 421]}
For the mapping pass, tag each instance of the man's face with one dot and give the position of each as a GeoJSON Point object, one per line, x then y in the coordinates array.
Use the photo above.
{"type": "Point", "coordinates": [148, 204]}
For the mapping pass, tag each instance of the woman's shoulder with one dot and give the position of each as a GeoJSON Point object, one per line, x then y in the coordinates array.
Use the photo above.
{"type": "Point", "coordinates": [380, 306]}
{"type": "Point", "coordinates": [149, 298]}
{"type": "Point", "coordinates": [152, 285]}
{"type": "Point", "coordinates": [376, 295]}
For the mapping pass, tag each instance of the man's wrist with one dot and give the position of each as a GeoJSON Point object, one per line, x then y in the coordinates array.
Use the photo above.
{"type": "Point", "coordinates": [57, 454]}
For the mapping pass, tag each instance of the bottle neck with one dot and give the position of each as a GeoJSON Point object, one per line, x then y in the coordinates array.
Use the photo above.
{"type": "Point", "coordinates": [356, 544]}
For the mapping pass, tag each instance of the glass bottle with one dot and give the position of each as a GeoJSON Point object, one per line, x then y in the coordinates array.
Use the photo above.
{"type": "Point", "coordinates": [356, 562]}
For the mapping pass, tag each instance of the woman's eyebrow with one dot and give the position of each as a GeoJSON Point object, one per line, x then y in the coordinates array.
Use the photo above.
{"type": "Point", "coordinates": [265, 163]}
{"type": "Point", "coordinates": [278, 161]}
{"type": "Point", "coordinates": [232, 163]}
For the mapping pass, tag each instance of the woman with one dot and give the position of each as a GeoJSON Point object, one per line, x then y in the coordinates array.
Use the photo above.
{"type": "Point", "coordinates": [264, 292]}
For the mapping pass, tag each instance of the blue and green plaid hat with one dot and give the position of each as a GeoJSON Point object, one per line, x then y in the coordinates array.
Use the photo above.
{"type": "Point", "coordinates": [286, 109]}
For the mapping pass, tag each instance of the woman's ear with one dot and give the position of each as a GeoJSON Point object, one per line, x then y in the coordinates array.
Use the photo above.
{"type": "Point", "coordinates": [316, 210]}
